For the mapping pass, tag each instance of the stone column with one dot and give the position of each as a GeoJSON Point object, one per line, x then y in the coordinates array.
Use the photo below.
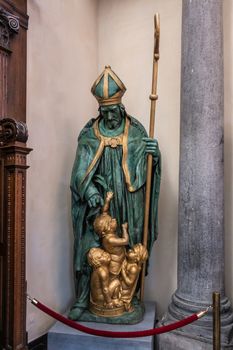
{"type": "Point", "coordinates": [201, 202]}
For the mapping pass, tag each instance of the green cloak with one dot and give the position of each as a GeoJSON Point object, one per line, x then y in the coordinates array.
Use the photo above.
{"type": "Point", "coordinates": [122, 170]}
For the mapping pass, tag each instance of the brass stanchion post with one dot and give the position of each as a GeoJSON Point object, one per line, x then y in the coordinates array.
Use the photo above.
{"type": "Point", "coordinates": [216, 322]}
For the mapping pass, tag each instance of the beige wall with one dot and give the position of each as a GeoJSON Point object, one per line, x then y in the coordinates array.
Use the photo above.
{"type": "Point", "coordinates": [62, 64]}
{"type": "Point", "coordinates": [68, 42]}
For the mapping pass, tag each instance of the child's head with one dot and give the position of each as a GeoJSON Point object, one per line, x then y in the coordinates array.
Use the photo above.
{"type": "Point", "coordinates": [104, 223]}
{"type": "Point", "coordinates": [138, 253]}
{"type": "Point", "coordinates": [97, 257]}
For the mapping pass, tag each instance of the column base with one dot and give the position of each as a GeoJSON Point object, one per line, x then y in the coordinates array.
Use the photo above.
{"type": "Point", "coordinates": [199, 333]}
{"type": "Point", "coordinates": [173, 341]}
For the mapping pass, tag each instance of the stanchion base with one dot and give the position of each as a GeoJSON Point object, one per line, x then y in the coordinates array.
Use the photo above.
{"type": "Point", "coordinates": [62, 337]}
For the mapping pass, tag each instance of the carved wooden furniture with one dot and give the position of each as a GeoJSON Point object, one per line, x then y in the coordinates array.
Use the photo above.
{"type": "Point", "coordinates": [13, 152]}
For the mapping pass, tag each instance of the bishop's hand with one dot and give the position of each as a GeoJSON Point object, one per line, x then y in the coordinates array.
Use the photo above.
{"type": "Point", "coordinates": [152, 146]}
{"type": "Point", "coordinates": [95, 200]}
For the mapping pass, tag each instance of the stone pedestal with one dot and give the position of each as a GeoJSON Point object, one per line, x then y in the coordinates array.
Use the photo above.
{"type": "Point", "coordinates": [62, 337]}
{"type": "Point", "coordinates": [201, 208]}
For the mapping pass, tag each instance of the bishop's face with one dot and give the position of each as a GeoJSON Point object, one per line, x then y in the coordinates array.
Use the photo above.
{"type": "Point", "coordinates": [112, 116]}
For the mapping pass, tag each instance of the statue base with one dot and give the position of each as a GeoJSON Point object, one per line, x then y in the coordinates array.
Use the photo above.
{"type": "Point", "coordinates": [104, 312]}
{"type": "Point", "coordinates": [133, 317]}
{"type": "Point", "coordinates": [62, 337]}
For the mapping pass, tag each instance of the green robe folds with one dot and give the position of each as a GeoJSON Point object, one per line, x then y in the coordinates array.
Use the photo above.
{"type": "Point", "coordinates": [122, 170]}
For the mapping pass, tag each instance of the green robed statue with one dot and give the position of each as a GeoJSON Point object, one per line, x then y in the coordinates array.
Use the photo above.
{"type": "Point", "coordinates": [111, 158]}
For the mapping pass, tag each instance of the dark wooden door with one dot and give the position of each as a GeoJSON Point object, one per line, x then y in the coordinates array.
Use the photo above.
{"type": "Point", "coordinates": [13, 151]}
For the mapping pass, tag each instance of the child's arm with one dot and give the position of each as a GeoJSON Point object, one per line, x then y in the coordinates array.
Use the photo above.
{"type": "Point", "coordinates": [105, 208]}
{"type": "Point", "coordinates": [119, 241]}
{"type": "Point", "coordinates": [125, 230]}
{"type": "Point", "coordinates": [129, 278]}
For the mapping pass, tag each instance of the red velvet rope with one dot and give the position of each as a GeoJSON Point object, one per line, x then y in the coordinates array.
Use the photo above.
{"type": "Point", "coordinates": [111, 334]}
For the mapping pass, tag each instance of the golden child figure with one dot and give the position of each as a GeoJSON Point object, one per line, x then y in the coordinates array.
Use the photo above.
{"type": "Point", "coordinates": [115, 271]}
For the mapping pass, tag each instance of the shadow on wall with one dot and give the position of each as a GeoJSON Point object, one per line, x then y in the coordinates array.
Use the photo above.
{"type": "Point", "coordinates": [35, 7]}
{"type": "Point", "coordinates": [164, 255]}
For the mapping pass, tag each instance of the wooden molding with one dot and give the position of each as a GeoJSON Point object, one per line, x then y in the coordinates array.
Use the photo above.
{"type": "Point", "coordinates": [13, 166]}
{"type": "Point", "coordinates": [12, 130]}
{"type": "Point", "coordinates": [11, 20]}
{"type": "Point", "coordinates": [17, 8]}
{"type": "Point", "coordinates": [9, 24]}
{"type": "Point", "coordinates": [13, 55]}
{"type": "Point", "coordinates": [13, 152]}
{"type": "Point", "coordinates": [13, 194]}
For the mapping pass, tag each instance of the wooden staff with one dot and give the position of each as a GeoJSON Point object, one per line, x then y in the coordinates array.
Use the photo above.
{"type": "Point", "coordinates": [153, 98]}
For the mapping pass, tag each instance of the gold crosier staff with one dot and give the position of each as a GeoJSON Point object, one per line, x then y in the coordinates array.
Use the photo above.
{"type": "Point", "coordinates": [153, 98]}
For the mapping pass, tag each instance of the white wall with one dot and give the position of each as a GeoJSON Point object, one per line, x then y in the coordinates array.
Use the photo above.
{"type": "Point", "coordinates": [62, 64]}
{"type": "Point", "coordinates": [66, 42]}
